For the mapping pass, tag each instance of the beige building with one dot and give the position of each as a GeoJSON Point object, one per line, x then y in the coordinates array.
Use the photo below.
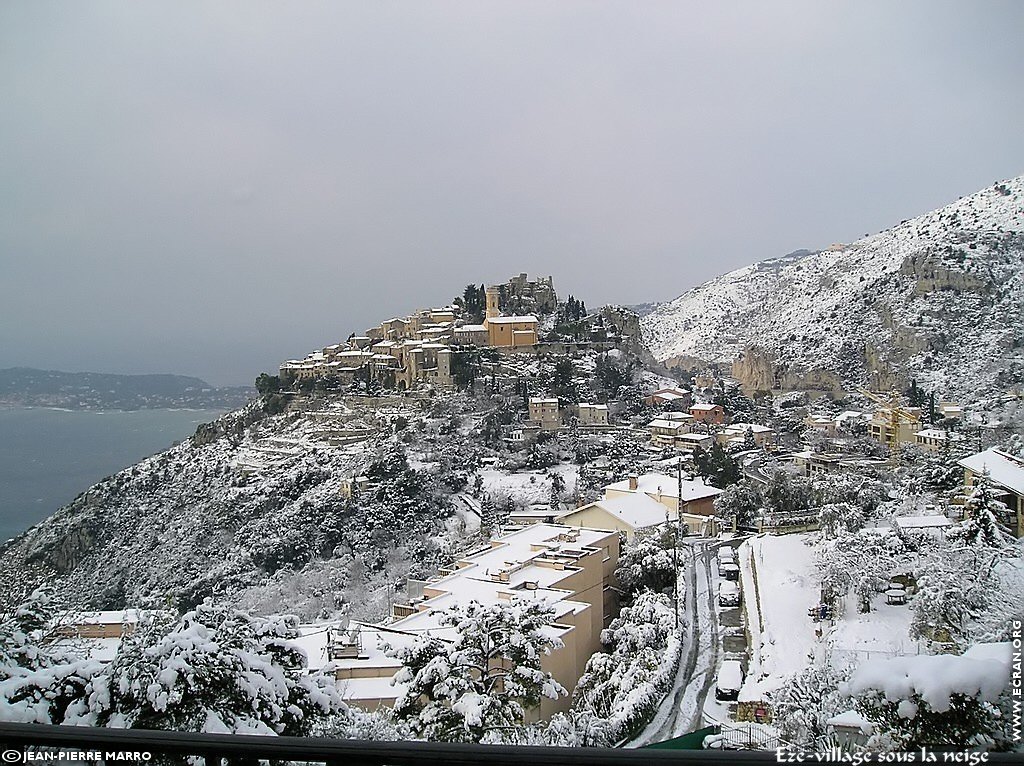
{"type": "Point", "coordinates": [572, 569]}
{"type": "Point", "coordinates": [589, 414]}
{"type": "Point", "coordinates": [627, 515]}
{"type": "Point", "coordinates": [507, 332]}
{"type": "Point", "coordinates": [544, 413]}
{"type": "Point", "coordinates": [664, 431]}
{"type": "Point", "coordinates": [644, 501]}
{"type": "Point", "coordinates": [822, 424]}
{"type": "Point", "coordinates": [895, 426]}
{"type": "Point", "coordinates": [1004, 473]}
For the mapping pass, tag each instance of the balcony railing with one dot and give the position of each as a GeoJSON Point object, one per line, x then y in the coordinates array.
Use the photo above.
{"type": "Point", "coordinates": [27, 743]}
{"type": "Point", "coordinates": [30, 743]}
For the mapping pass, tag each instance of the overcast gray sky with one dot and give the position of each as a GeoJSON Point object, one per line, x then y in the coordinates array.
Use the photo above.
{"type": "Point", "coordinates": [208, 188]}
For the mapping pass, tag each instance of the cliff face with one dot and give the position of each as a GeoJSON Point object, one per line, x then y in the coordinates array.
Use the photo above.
{"type": "Point", "coordinates": [936, 299]}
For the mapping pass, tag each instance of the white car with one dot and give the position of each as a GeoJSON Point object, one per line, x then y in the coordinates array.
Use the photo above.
{"type": "Point", "coordinates": [728, 593]}
{"type": "Point", "coordinates": [730, 679]}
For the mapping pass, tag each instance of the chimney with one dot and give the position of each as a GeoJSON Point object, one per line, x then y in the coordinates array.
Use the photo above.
{"type": "Point", "coordinates": [633, 479]}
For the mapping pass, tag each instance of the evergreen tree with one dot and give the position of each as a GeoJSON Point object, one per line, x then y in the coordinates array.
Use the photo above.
{"type": "Point", "coordinates": [213, 669]}
{"type": "Point", "coordinates": [478, 686]}
{"type": "Point", "coordinates": [646, 564]}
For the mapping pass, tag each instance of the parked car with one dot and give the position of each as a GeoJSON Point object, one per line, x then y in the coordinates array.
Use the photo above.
{"type": "Point", "coordinates": [729, 571]}
{"type": "Point", "coordinates": [728, 593]}
{"type": "Point", "coordinates": [730, 679]}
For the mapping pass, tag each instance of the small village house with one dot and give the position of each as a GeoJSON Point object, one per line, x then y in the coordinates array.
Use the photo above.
{"type": "Point", "coordinates": [544, 413]}
{"type": "Point", "coordinates": [1004, 473]}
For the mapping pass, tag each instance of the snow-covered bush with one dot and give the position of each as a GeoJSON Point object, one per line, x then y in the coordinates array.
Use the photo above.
{"type": "Point", "coordinates": [40, 673]}
{"type": "Point", "coordinates": [803, 705]}
{"type": "Point", "coordinates": [930, 700]}
{"type": "Point", "coordinates": [478, 686]}
{"type": "Point", "coordinates": [625, 684]}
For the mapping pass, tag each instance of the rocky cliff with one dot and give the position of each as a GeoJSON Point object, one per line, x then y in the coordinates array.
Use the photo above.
{"type": "Point", "coordinates": [936, 299]}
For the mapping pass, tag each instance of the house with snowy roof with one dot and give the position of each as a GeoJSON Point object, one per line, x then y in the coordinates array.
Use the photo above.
{"type": "Point", "coordinates": [664, 431]}
{"type": "Point", "coordinates": [1004, 473]}
{"type": "Point", "coordinates": [572, 569]}
{"type": "Point", "coordinates": [669, 397]}
{"type": "Point", "coordinates": [713, 414]}
{"type": "Point", "coordinates": [592, 414]}
{"type": "Point", "coordinates": [643, 502]}
{"type": "Point", "coordinates": [764, 437]}
{"type": "Point", "coordinates": [544, 413]}
{"type": "Point", "coordinates": [931, 439]}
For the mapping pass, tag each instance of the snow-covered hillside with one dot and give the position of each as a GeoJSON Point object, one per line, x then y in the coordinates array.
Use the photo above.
{"type": "Point", "coordinates": [936, 298]}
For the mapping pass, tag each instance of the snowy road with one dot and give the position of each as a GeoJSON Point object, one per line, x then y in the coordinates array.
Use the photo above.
{"type": "Point", "coordinates": [680, 712]}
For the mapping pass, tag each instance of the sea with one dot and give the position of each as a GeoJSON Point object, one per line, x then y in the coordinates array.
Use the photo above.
{"type": "Point", "coordinates": [49, 456]}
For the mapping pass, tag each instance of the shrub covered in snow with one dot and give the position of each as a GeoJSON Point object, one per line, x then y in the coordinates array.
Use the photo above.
{"type": "Point", "coordinates": [625, 684]}
{"type": "Point", "coordinates": [930, 700]}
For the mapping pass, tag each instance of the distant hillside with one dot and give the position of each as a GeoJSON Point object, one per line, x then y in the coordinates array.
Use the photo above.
{"type": "Point", "coordinates": [936, 299]}
{"type": "Point", "coordinates": [27, 387]}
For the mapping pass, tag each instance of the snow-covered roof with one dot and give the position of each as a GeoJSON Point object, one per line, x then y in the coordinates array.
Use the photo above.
{"type": "Point", "coordinates": [1002, 468]}
{"type": "Point", "coordinates": [509, 320]}
{"type": "Point", "coordinates": [593, 406]}
{"type": "Point", "coordinates": [850, 719]}
{"type": "Point", "coordinates": [683, 416]}
{"type": "Point", "coordinates": [663, 423]}
{"type": "Point", "coordinates": [104, 617]}
{"type": "Point", "coordinates": [637, 510]}
{"type": "Point", "coordinates": [655, 483]}
{"type": "Point", "coordinates": [698, 438]}
{"type": "Point", "coordinates": [540, 400]}
{"type": "Point", "coordinates": [756, 428]}
{"type": "Point", "coordinates": [472, 328]}
{"type": "Point", "coordinates": [705, 407]}
{"type": "Point", "coordinates": [922, 522]}
{"type": "Point", "coordinates": [931, 433]}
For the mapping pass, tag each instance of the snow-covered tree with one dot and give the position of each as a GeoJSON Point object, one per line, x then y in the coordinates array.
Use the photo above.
{"type": "Point", "coordinates": [647, 563]}
{"type": "Point", "coordinates": [41, 675]}
{"type": "Point", "coordinates": [478, 686]}
{"type": "Point", "coordinates": [625, 684]}
{"type": "Point", "coordinates": [740, 502]}
{"type": "Point", "coordinates": [861, 562]}
{"type": "Point", "coordinates": [966, 588]}
{"type": "Point", "coordinates": [213, 669]}
{"type": "Point", "coordinates": [804, 703]}
{"type": "Point", "coordinates": [836, 518]}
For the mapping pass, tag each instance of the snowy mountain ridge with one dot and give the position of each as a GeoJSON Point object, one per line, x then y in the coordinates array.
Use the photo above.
{"type": "Point", "coordinates": [936, 299]}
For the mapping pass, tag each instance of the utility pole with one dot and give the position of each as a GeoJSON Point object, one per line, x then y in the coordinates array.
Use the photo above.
{"type": "Point", "coordinates": [675, 545]}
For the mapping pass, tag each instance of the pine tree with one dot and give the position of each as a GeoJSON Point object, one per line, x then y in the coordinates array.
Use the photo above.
{"type": "Point", "coordinates": [213, 669]}
{"type": "Point", "coordinates": [478, 686]}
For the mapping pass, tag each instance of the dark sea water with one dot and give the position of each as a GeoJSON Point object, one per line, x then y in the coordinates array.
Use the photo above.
{"type": "Point", "coordinates": [47, 457]}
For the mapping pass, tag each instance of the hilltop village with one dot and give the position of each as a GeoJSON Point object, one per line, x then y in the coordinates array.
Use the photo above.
{"type": "Point", "coordinates": [509, 483]}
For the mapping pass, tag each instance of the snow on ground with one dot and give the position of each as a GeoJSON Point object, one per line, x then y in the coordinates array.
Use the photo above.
{"type": "Point", "coordinates": [783, 636]}
{"type": "Point", "coordinates": [882, 632]}
{"type": "Point", "coordinates": [525, 487]}
{"type": "Point", "coordinates": [779, 586]}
